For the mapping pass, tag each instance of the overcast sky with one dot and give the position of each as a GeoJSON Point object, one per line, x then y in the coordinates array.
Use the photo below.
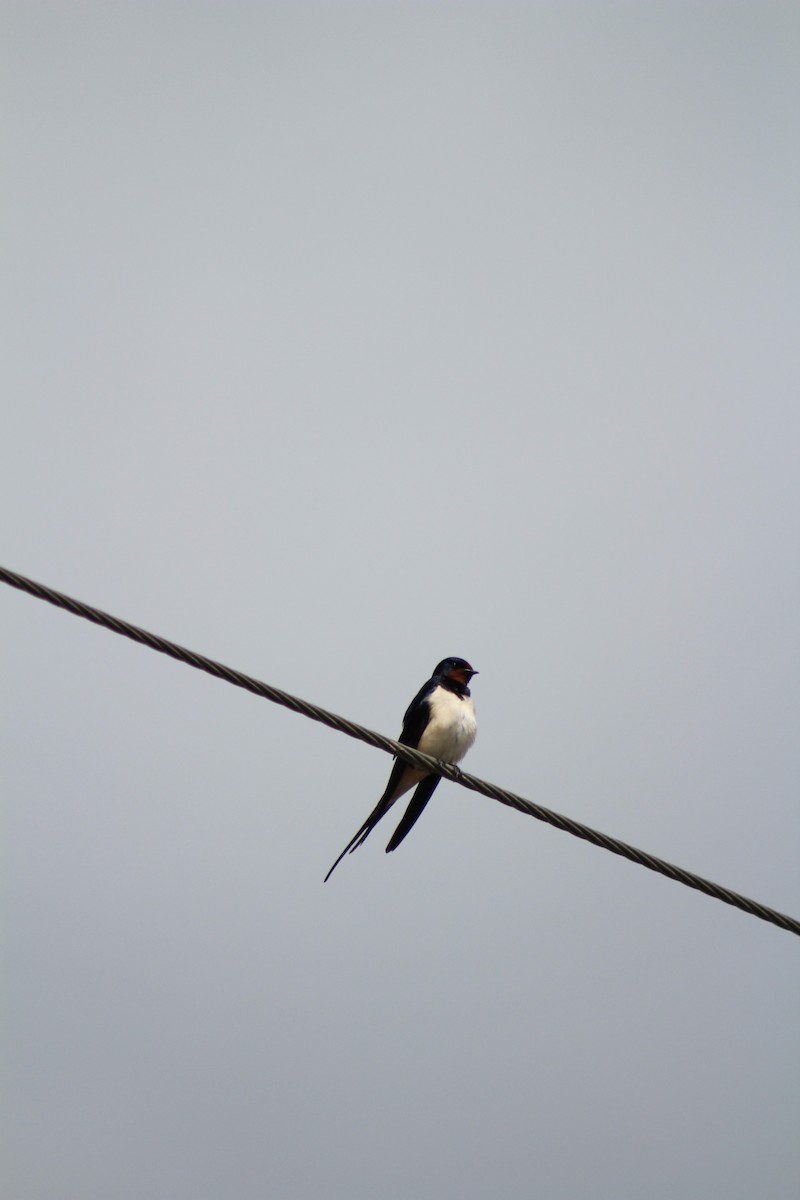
{"type": "Point", "coordinates": [340, 338]}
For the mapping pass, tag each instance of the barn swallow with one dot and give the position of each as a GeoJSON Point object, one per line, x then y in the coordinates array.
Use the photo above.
{"type": "Point", "coordinates": [440, 721]}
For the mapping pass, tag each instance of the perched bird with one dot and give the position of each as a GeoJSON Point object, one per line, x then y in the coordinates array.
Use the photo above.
{"type": "Point", "coordinates": [440, 721]}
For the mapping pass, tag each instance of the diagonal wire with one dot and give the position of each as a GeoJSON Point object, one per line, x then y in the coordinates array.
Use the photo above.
{"type": "Point", "coordinates": [413, 757]}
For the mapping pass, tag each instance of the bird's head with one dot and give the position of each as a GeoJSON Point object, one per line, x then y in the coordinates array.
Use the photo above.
{"type": "Point", "coordinates": [457, 669]}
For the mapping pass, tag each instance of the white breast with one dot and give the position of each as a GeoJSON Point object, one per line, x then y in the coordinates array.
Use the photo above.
{"type": "Point", "coordinates": [452, 727]}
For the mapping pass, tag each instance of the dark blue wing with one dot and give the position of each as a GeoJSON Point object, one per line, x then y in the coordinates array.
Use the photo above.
{"type": "Point", "coordinates": [417, 716]}
{"type": "Point", "coordinates": [421, 796]}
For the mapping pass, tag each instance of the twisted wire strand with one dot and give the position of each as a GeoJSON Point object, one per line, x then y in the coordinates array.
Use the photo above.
{"type": "Point", "coordinates": [406, 753]}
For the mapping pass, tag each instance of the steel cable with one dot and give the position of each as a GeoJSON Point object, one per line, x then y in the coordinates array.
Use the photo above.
{"type": "Point", "coordinates": [414, 757]}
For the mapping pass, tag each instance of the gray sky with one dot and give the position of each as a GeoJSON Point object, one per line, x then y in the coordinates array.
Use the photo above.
{"type": "Point", "coordinates": [341, 338]}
